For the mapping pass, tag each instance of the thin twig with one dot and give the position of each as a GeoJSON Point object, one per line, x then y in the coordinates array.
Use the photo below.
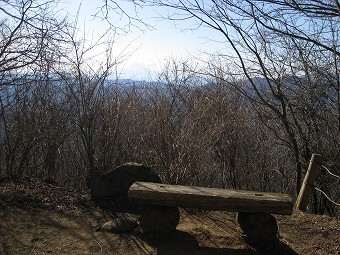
{"type": "Point", "coordinates": [100, 246]}
{"type": "Point", "coordinates": [32, 251]}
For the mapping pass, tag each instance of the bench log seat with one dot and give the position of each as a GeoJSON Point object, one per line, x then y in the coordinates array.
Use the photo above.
{"type": "Point", "coordinates": [210, 198]}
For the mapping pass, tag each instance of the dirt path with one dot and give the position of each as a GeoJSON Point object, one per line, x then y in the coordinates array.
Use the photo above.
{"type": "Point", "coordinates": [38, 231]}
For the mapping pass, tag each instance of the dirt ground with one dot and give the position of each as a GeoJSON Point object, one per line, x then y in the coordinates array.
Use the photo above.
{"type": "Point", "coordinates": [39, 218]}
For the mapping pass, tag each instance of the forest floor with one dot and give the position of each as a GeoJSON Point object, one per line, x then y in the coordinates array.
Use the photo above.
{"type": "Point", "coordinates": [40, 218]}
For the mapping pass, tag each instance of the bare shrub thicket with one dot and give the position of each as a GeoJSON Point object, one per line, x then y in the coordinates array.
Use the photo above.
{"type": "Point", "coordinates": [190, 130]}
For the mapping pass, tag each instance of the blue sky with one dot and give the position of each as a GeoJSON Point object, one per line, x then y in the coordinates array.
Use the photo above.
{"type": "Point", "coordinates": [146, 51]}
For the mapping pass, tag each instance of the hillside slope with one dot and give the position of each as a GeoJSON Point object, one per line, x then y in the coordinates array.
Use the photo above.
{"type": "Point", "coordinates": [39, 218]}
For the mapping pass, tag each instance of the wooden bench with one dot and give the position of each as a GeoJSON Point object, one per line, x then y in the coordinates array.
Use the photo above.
{"type": "Point", "coordinates": [254, 208]}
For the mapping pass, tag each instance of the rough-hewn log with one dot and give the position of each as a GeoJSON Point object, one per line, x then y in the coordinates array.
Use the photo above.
{"type": "Point", "coordinates": [210, 198]}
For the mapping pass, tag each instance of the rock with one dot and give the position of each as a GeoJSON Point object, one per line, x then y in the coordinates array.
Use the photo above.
{"type": "Point", "coordinates": [258, 227]}
{"type": "Point", "coordinates": [116, 183]}
{"type": "Point", "coordinates": [120, 225]}
{"type": "Point", "coordinates": [159, 219]}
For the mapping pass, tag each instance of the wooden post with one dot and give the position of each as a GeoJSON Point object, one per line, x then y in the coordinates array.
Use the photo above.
{"type": "Point", "coordinates": [308, 183]}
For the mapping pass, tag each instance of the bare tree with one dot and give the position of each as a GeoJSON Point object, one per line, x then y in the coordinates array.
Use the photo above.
{"type": "Point", "coordinates": [29, 30]}
{"type": "Point", "coordinates": [85, 77]}
{"type": "Point", "coordinates": [27, 27]}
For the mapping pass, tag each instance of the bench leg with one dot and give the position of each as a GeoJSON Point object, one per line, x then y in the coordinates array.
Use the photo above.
{"type": "Point", "coordinates": [258, 227]}
{"type": "Point", "coordinates": [159, 219]}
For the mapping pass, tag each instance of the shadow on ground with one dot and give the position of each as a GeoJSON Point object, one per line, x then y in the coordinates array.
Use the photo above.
{"type": "Point", "coordinates": [185, 243]}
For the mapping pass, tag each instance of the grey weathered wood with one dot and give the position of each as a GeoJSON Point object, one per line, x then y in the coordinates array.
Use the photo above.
{"type": "Point", "coordinates": [210, 198]}
{"type": "Point", "coordinates": [308, 182]}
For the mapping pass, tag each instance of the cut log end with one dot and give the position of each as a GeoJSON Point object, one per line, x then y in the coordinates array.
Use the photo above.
{"type": "Point", "coordinates": [258, 227]}
{"type": "Point", "coordinates": [159, 219]}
